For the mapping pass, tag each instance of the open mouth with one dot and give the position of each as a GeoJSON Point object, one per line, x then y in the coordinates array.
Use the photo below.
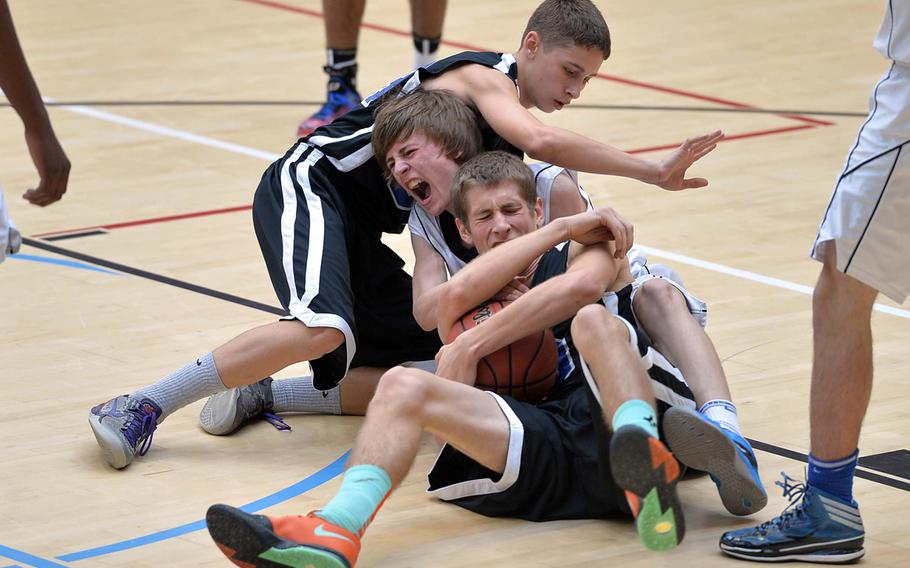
{"type": "Point", "coordinates": [420, 189]}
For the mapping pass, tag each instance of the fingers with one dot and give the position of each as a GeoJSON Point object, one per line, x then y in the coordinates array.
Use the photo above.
{"type": "Point", "coordinates": [694, 183]}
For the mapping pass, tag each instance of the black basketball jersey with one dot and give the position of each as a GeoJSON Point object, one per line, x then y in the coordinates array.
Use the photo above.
{"type": "Point", "coordinates": [346, 144]}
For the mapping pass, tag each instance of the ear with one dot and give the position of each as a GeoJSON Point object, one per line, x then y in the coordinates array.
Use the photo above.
{"type": "Point", "coordinates": [538, 212]}
{"type": "Point", "coordinates": [464, 232]}
{"type": "Point", "coordinates": [531, 44]}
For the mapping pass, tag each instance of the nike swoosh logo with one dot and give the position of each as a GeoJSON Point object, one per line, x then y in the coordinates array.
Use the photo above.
{"type": "Point", "coordinates": [322, 531]}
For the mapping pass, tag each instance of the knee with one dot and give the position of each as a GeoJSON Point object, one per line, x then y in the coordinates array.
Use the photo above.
{"type": "Point", "coordinates": [401, 388]}
{"type": "Point", "coordinates": [657, 296]}
{"type": "Point", "coordinates": [838, 293]}
{"type": "Point", "coordinates": [594, 325]}
{"type": "Point", "coordinates": [314, 339]}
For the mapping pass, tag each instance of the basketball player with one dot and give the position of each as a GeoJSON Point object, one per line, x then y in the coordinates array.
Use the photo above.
{"type": "Point", "coordinates": [53, 166]}
{"type": "Point", "coordinates": [864, 245]}
{"type": "Point", "coordinates": [422, 138]}
{"type": "Point", "coordinates": [319, 212]}
{"type": "Point", "coordinates": [504, 457]}
{"type": "Point", "coordinates": [342, 20]}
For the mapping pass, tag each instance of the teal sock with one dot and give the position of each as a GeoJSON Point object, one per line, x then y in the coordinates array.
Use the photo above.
{"type": "Point", "coordinates": [636, 412]}
{"type": "Point", "coordinates": [362, 491]}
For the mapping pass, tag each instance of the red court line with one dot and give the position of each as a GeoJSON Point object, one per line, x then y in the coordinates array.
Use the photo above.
{"type": "Point", "coordinates": [730, 137]}
{"type": "Point", "coordinates": [630, 82]}
{"type": "Point", "coordinates": [150, 221]}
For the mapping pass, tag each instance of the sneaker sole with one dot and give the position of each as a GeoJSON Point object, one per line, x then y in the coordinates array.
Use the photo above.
{"type": "Point", "coordinates": [700, 445]}
{"type": "Point", "coordinates": [648, 472]}
{"type": "Point", "coordinates": [115, 450]}
{"type": "Point", "coordinates": [248, 542]}
{"type": "Point", "coordinates": [223, 404]}
{"type": "Point", "coordinates": [820, 556]}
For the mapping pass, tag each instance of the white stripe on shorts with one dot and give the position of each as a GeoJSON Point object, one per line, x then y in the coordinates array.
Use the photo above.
{"type": "Point", "coordinates": [299, 307]}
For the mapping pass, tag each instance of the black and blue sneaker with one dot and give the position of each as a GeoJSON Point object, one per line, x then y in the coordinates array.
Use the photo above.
{"type": "Point", "coordinates": [702, 444]}
{"type": "Point", "coordinates": [123, 427]}
{"type": "Point", "coordinates": [815, 527]}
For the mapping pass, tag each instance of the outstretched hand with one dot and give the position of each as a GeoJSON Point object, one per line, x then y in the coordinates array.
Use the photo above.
{"type": "Point", "coordinates": [602, 224]}
{"type": "Point", "coordinates": [671, 173]}
{"type": "Point", "coordinates": [53, 168]}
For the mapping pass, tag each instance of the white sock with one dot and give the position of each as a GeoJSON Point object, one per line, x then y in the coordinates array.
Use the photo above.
{"type": "Point", "coordinates": [186, 385]}
{"type": "Point", "coordinates": [723, 412]}
{"type": "Point", "coordinates": [297, 394]}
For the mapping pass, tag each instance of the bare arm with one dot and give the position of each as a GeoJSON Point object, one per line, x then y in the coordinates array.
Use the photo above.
{"type": "Point", "coordinates": [429, 274]}
{"type": "Point", "coordinates": [19, 87]}
{"type": "Point", "coordinates": [566, 198]}
{"type": "Point", "coordinates": [591, 271]}
{"type": "Point", "coordinates": [495, 97]}
{"type": "Point", "coordinates": [487, 274]}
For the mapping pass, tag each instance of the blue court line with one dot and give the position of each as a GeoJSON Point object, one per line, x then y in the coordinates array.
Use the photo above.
{"type": "Point", "coordinates": [26, 558]}
{"type": "Point", "coordinates": [61, 262]}
{"type": "Point", "coordinates": [325, 474]}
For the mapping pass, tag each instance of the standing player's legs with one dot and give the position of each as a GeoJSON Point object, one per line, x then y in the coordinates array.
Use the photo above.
{"type": "Point", "coordinates": [407, 402]}
{"type": "Point", "coordinates": [862, 242]}
{"type": "Point", "coordinates": [342, 28]}
{"type": "Point", "coordinates": [427, 17]}
{"type": "Point", "coordinates": [710, 439]}
{"type": "Point", "coordinates": [640, 463]}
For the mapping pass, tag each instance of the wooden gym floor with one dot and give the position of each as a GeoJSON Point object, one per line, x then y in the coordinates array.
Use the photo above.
{"type": "Point", "coordinates": [170, 111]}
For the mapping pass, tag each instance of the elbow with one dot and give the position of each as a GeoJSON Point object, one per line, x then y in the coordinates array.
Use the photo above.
{"type": "Point", "coordinates": [538, 142]}
{"type": "Point", "coordinates": [588, 288]}
{"type": "Point", "coordinates": [451, 304]}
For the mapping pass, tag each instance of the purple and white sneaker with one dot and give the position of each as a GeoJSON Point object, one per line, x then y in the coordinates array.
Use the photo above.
{"type": "Point", "coordinates": [123, 427]}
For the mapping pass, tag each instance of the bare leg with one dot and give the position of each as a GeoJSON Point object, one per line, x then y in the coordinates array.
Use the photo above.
{"type": "Point", "coordinates": [409, 401]}
{"type": "Point", "coordinates": [358, 388]}
{"type": "Point", "coordinates": [342, 22]}
{"type": "Point", "coordinates": [662, 312]}
{"type": "Point", "coordinates": [261, 351]}
{"type": "Point", "coordinates": [603, 341]}
{"type": "Point", "coordinates": [842, 360]}
{"type": "Point", "coordinates": [427, 17]}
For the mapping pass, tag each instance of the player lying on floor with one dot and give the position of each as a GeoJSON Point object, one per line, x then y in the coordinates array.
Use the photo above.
{"type": "Point", "coordinates": [422, 138]}
{"type": "Point", "coordinates": [492, 437]}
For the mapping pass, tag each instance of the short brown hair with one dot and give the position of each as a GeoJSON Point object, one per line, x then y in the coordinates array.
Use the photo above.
{"type": "Point", "coordinates": [489, 169]}
{"type": "Point", "coordinates": [438, 114]}
{"type": "Point", "coordinates": [570, 22]}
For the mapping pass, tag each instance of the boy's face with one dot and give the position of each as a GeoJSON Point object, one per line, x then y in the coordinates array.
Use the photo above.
{"type": "Point", "coordinates": [497, 214]}
{"type": "Point", "coordinates": [420, 166]}
{"type": "Point", "coordinates": [555, 76]}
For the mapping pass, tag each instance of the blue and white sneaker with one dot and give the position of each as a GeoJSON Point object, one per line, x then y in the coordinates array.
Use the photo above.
{"type": "Point", "coordinates": [700, 443]}
{"type": "Point", "coordinates": [123, 427]}
{"type": "Point", "coordinates": [821, 528]}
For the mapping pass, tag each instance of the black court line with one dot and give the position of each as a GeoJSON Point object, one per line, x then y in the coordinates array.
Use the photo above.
{"type": "Point", "coordinates": [217, 103]}
{"type": "Point", "coordinates": [76, 235]}
{"type": "Point", "coordinates": [155, 277]}
{"type": "Point", "coordinates": [770, 448]}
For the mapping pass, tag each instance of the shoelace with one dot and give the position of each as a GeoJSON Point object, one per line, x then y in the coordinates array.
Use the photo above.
{"type": "Point", "coordinates": [140, 423]}
{"type": "Point", "coordinates": [793, 490]}
{"type": "Point", "coordinates": [276, 421]}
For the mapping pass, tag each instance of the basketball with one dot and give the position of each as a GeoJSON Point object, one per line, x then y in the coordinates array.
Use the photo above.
{"type": "Point", "coordinates": [524, 370]}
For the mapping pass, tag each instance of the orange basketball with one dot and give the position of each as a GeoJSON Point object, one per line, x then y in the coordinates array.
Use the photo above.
{"type": "Point", "coordinates": [524, 370]}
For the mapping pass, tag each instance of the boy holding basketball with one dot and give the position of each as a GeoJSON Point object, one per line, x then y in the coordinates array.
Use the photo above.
{"type": "Point", "coordinates": [537, 462]}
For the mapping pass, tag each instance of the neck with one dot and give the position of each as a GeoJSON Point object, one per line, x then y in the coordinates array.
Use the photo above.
{"type": "Point", "coordinates": [519, 61]}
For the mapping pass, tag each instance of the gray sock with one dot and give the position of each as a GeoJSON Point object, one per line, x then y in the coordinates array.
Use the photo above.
{"type": "Point", "coordinates": [297, 394]}
{"type": "Point", "coordinates": [184, 386]}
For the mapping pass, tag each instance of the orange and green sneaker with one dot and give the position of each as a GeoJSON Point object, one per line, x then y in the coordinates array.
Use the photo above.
{"type": "Point", "coordinates": [647, 471]}
{"type": "Point", "coordinates": [258, 541]}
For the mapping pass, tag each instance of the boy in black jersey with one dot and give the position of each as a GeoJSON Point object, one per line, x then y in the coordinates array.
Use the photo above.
{"type": "Point", "coordinates": [554, 460]}
{"type": "Point", "coordinates": [320, 210]}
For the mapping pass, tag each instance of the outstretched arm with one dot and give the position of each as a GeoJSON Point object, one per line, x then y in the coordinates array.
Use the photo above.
{"type": "Point", "coordinates": [19, 87]}
{"type": "Point", "coordinates": [495, 97]}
